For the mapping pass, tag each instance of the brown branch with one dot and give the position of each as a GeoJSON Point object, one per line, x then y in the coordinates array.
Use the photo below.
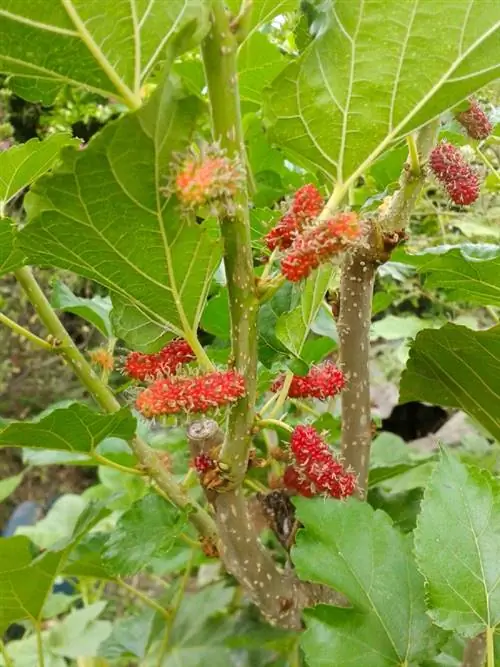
{"type": "Point", "coordinates": [475, 652]}
{"type": "Point", "coordinates": [356, 289]}
{"type": "Point", "coordinates": [278, 593]}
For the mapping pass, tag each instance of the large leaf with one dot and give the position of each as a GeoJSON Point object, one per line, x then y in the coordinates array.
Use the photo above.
{"type": "Point", "coordinates": [459, 368]}
{"type": "Point", "coordinates": [471, 272]}
{"type": "Point", "coordinates": [103, 216]}
{"type": "Point", "coordinates": [293, 328]}
{"type": "Point", "coordinates": [110, 50]}
{"type": "Point", "coordinates": [376, 71]}
{"type": "Point", "coordinates": [148, 529]}
{"type": "Point", "coordinates": [76, 428]}
{"type": "Point", "coordinates": [357, 551]}
{"type": "Point", "coordinates": [10, 257]}
{"type": "Point", "coordinates": [22, 165]}
{"type": "Point", "coordinates": [457, 542]}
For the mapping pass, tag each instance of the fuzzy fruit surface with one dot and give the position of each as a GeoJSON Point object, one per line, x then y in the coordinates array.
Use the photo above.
{"type": "Point", "coordinates": [316, 464]}
{"type": "Point", "coordinates": [142, 366]}
{"type": "Point", "coordinates": [318, 244]}
{"type": "Point", "coordinates": [306, 205]}
{"type": "Point", "coordinates": [454, 173]}
{"type": "Point", "coordinates": [323, 381]}
{"type": "Point", "coordinates": [201, 393]}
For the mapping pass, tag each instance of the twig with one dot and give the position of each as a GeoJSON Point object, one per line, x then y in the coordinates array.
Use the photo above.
{"type": "Point", "coordinates": [105, 398]}
{"type": "Point", "coordinates": [149, 602]}
{"type": "Point", "coordinates": [280, 595]}
{"type": "Point", "coordinates": [21, 331]}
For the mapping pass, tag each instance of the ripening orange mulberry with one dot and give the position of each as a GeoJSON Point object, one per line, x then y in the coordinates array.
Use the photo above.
{"type": "Point", "coordinates": [103, 358]}
{"type": "Point", "coordinates": [209, 178]}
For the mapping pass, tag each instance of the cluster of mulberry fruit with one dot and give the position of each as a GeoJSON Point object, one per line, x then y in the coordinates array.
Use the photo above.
{"type": "Point", "coordinates": [454, 173]}
{"type": "Point", "coordinates": [316, 470]}
{"type": "Point", "coordinates": [306, 205]}
{"type": "Point", "coordinates": [319, 243]}
{"type": "Point", "coordinates": [197, 393]}
{"type": "Point", "coordinates": [322, 382]}
{"type": "Point", "coordinates": [140, 366]}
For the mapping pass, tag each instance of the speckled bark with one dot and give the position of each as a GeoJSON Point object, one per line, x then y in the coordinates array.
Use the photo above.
{"type": "Point", "coordinates": [356, 290]}
{"type": "Point", "coordinates": [278, 593]}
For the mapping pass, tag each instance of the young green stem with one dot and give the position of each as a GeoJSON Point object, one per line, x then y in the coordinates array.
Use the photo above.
{"type": "Point", "coordinates": [413, 158]}
{"type": "Point", "coordinates": [488, 163]}
{"type": "Point", "coordinates": [83, 370]}
{"type": "Point", "coordinates": [144, 598]}
{"type": "Point", "coordinates": [105, 398]}
{"type": "Point", "coordinates": [356, 290]}
{"type": "Point", "coordinates": [219, 52]}
{"type": "Point", "coordinates": [274, 424]}
{"type": "Point", "coordinates": [21, 331]}
{"type": "Point", "coordinates": [39, 644]}
{"type": "Point", "coordinates": [490, 646]}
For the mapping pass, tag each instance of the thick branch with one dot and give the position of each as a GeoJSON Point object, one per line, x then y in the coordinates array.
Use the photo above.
{"type": "Point", "coordinates": [219, 57]}
{"type": "Point", "coordinates": [356, 290]}
{"type": "Point", "coordinates": [397, 215]}
{"type": "Point", "coordinates": [105, 398]}
{"type": "Point", "coordinates": [475, 652]}
{"type": "Point", "coordinates": [279, 594]}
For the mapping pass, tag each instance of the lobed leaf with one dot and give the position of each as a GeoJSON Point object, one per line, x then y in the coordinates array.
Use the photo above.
{"type": "Point", "coordinates": [375, 72]}
{"type": "Point", "coordinates": [26, 580]}
{"type": "Point", "coordinates": [457, 542]}
{"type": "Point", "coordinates": [456, 367]}
{"type": "Point", "coordinates": [357, 551]}
{"type": "Point", "coordinates": [10, 257]}
{"type": "Point", "coordinates": [96, 310]}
